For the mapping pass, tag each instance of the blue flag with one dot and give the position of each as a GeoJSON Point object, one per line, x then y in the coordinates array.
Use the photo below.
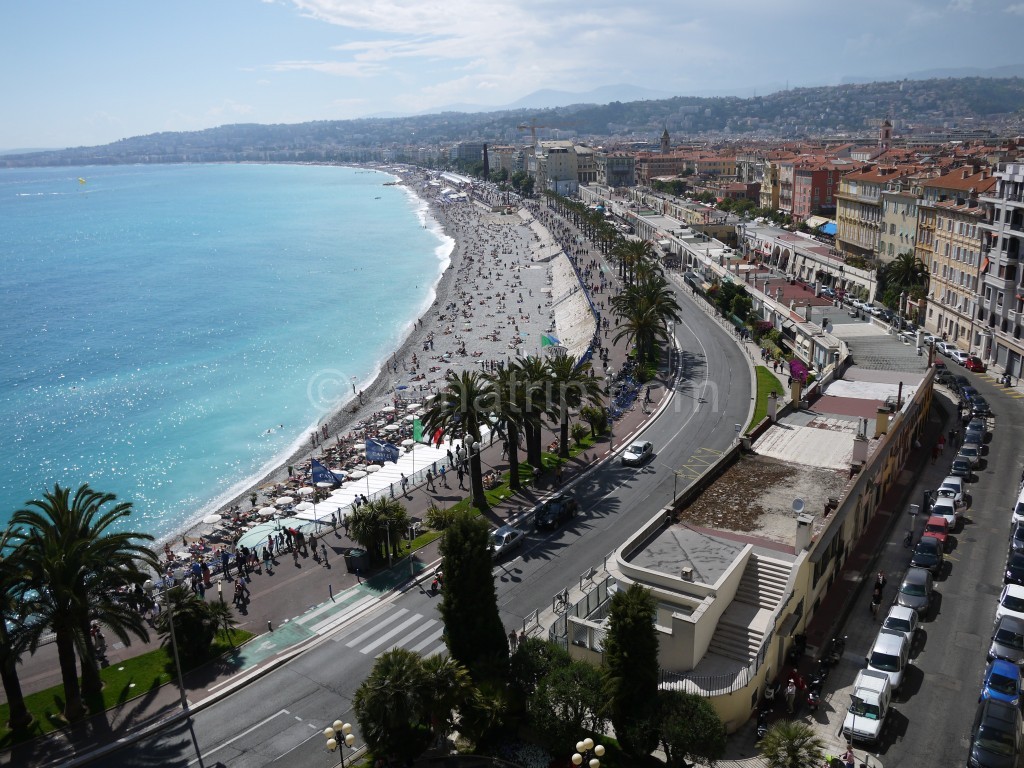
{"type": "Point", "coordinates": [322, 474]}
{"type": "Point", "coordinates": [378, 450]}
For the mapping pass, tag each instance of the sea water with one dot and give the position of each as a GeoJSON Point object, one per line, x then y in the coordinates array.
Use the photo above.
{"type": "Point", "coordinates": [170, 332]}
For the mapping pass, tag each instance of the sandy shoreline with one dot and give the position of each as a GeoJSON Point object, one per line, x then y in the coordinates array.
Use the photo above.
{"type": "Point", "coordinates": [517, 284]}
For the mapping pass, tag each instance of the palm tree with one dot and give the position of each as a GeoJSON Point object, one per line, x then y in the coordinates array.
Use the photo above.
{"type": "Point", "coordinates": [390, 705]}
{"type": "Point", "coordinates": [196, 623]}
{"type": "Point", "coordinates": [14, 635]}
{"type": "Point", "coordinates": [792, 744]}
{"type": "Point", "coordinates": [535, 377]}
{"type": "Point", "coordinates": [448, 691]}
{"type": "Point", "coordinates": [508, 402]}
{"type": "Point", "coordinates": [460, 410]}
{"type": "Point", "coordinates": [76, 564]}
{"type": "Point", "coordinates": [373, 524]}
{"type": "Point", "coordinates": [645, 309]}
{"type": "Point", "coordinates": [907, 271]}
{"type": "Point", "coordinates": [630, 253]}
{"type": "Point", "coordinates": [573, 387]}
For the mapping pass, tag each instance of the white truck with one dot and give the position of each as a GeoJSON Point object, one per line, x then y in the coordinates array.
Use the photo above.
{"type": "Point", "coordinates": [869, 704]}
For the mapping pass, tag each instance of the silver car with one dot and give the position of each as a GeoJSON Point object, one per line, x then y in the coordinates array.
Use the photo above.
{"type": "Point", "coordinates": [1008, 640]}
{"type": "Point", "coordinates": [916, 590]}
{"type": "Point", "coordinates": [637, 453]}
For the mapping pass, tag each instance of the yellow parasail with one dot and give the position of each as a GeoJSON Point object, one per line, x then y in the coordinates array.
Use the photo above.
{"type": "Point", "coordinates": [81, 180]}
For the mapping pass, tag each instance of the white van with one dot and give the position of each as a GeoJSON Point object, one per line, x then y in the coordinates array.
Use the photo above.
{"type": "Point", "coordinates": [1018, 510]}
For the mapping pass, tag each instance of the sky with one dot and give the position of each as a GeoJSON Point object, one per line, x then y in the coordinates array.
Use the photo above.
{"type": "Point", "coordinates": [88, 72]}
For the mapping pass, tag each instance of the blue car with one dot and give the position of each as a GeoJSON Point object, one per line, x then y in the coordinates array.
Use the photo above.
{"type": "Point", "coordinates": [1001, 682]}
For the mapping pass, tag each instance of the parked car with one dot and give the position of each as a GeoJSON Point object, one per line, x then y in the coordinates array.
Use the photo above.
{"type": "Point", "coordinates": [1014, 571]}
{"type": "Point", "coordinates": [1017, 538]}
{"type": "Point", "coordinates": [980, 406]}
{"type": "Point", "coordinates": [1001, 682]}
{"type": "Point", "coordinates": [870, 700]}
{"type": "Point", "coordinates": [970, 452]}
{"type": "Point", "coordinates": [967, 392]}
{"type": "Point", "coordinates": [944, 377]}
{"type": "Point", "coordinates": [828, 293]}
{"type": "Point", "coordinates": [974, 363]}
{"type": "Point", "coordinates": [505, 539]}
{"type": "Point", "coordinates": [555, 511]}
{"type": "Point", "coordinates": [916, 590]}
{"type": "Point", "coordinates": [951, 487]}
{"type": "Point", "coordinates": [929, 553]}
{"type": "Point", "coordinates": [936, 528]}
{"type": "Point", "coordinates": [945, 347]}
{"type": "Point", "coordinates": [637, 453]}
{"type": "Point", "coordinates": [961, 468]}
{"type": "Point", "coordinates": [901, 619]}
{"type": "Point", "coordinates": [890, 654]}
{"type": "Point", "coordinates": [958, 356]}
{"type": "Point", "coordinates": [995, 736]}
{"type": "Point", "coordinates": [886, 315]}
{"type": "Point", "coordinates": [1008, 640]}
{"type": "Point", "coordinates": [1011, 602]}
{"type": "Point", "coordinates": [979, 425]}
{"type": "Point", "coordinates": [946, 508]}
{"type": "Point", "coordinates": [1017, 516]}
{"type": "Point", "coordinates": [974, 438]}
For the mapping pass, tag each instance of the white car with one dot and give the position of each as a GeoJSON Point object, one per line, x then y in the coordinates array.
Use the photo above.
{"type": "Point", "coordinates": [903, 620]}
{"type": "Point", "coordinates": [958, 356]}
{"type": "Point", "coordinates": [945, 347]}
{"type": "Point", "coordinates": [505, 539]}
{"type": "Point", "coordinates": [948, 509]}
{"type": "Point", "coordinates": [1011, 602]}
{"type": "Point", "coordinates": [637, 453]}
{"type": "Point", "coordinates": [952, 488]}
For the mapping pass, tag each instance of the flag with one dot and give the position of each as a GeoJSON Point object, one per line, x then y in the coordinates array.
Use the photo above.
{"type": "Point", "coordinates": [378, 450]}
{"type": "Point", "coordinates": [417, 430]}
{"type": "Point", "coordinates": [546, 340]}
{"type": "Point", "coordinates": [322, 474]}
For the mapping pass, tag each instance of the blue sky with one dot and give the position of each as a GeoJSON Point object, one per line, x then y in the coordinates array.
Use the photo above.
{"type": "Point", "coordinates": [84, 72]}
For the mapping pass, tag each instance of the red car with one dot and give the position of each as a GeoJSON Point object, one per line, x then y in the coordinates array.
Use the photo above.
{"type": "Point", "coordinates": [974, 364]}
{"type": "Point", "coordinates": [937, 528]}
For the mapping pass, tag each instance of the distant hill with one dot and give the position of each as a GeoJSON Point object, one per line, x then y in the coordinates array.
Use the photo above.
{"type": "Point", "coordinates": [552, 99]}
{"type": "Point", "coordinates": [844, 111]}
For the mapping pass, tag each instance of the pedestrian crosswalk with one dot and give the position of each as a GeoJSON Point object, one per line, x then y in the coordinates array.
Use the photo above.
{"type": "Point", "coordinates": [398, 628]}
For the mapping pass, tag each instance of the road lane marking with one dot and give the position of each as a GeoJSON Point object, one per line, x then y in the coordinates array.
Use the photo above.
{"type": "Point", "coordinates": [397, 630]}
{"type": "Point", "coordinates": [241, 735]}
{"type": "Point", "coordinates": [410, 637]}
{"type": "Point", "coordinates": [433, 638]}
{"type": "Point", "coordinates": [376, 628]}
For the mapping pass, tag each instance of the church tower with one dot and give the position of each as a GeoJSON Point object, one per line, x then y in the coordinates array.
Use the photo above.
{"type": "Point", "coordinates": [885, 135]}
{"type": "Point", "coordinates": [665, 142]}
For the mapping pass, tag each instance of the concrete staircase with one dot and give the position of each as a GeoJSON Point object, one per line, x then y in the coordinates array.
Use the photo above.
{"type": "Point", "coordinates": [740, 631]}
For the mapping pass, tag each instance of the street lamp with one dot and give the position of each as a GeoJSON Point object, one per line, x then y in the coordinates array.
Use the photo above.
{"type": "Point", "coordinates": [584, 749]}
{"type": "Point", "coordinates": [339, 735]}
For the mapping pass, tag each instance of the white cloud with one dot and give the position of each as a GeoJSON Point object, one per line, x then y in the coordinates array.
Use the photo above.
{"type": "Point", "coordinates": [1016, 8]}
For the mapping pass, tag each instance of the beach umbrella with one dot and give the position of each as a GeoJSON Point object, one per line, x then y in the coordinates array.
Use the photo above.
{"type": "Point", "coordinates": [373, 468]}
{"type": "Point", "coordinates": [306, 490]}
{"type": "Point", "coordinates": [339, 492]}
{"type": "Point", "coordinates": [410, 417]}
{"type": "Point", "coordinates": [211, 519]}
{"type": "Point", "coordinates": [391, 428]}
{"type": "Point", "coordinates": [357, 475]}
{"type": "Point", "coordinates": [414, 406]}
{"type": "Point", "coordinates": [324, 485]}
{"type": "Point", "coordinates": [302, 506]}
{"type": "Point", "coordinates": [359, 447]}
{"type": "Point", "coordinates": [408, 443]}
{"type": "Point", "coordinates": [266, 512]}
{"type": "Point", "coordinates": [284, 500]}
{"type": "Point", "coordinates": [388, 409]}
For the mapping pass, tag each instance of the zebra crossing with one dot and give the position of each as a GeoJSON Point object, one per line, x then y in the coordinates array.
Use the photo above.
{"type": "Point", "coordinates": [398, 628]}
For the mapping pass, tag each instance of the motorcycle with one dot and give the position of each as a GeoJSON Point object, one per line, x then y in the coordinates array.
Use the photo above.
{"type": "Point", "coordinates": [796, 651]}
{"type": "Point", "coordinates": [836, 651]}
{"type": "Point", "coordinates": [908, 539]}
{"type": "Point", "coordinates": [762, 725]}
{"type": "Point", "coordinates": [814, 693]}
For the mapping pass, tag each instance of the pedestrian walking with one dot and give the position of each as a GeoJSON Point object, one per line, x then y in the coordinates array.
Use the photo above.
{"type": "Point", "coordinates": [461, 474]}
{"type": "Point", "coordinates": [791, 696]}
{"type": "Point", "coordinates": [405, 484]}
{"type": "Point", "coordinates": [430, 480]}
{"type": "Point", "coordinates": [323, 553]}
{"type": "Point", "coordinates": [935, 453]}
{"type": "Point", "coordinates": [513, 641]}
{"type": "Point", "coordinates": [942, 444]}
{"type": "Point", "coordinates": [444, 477]}
{"type": "Point", "coordinates": [266, 560]}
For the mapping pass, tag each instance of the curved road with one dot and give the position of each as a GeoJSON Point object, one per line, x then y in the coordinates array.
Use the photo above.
{"type": "Point", "coordinates": [278, 719]}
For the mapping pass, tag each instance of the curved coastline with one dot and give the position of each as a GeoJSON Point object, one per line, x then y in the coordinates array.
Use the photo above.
{"type": "Point", "coordinates": [376, 388]}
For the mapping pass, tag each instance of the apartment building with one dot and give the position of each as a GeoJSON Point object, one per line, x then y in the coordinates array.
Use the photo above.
{"type": "Point", "coordinates": [814, 188]}
{"type": "Point", "coordinates": [1001, 310]}
{"type": "Point", "coordinates": [616, 169]}
{"type": "Point", "coordinates": [650, 165]}
{"type": "Point", "coordinates": [586, 165]}
{"type": "Point", "coordinates": [899, 220]}
{"type": "Point", "coordinates": [859, 208]}
{"type": "Point", "coordinates": [505, 157]}
{"type": "Point", "coordinates": [556, 167]}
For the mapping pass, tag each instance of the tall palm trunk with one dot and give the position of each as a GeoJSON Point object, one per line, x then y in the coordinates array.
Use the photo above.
{"type": "Point", "coordinates": [532, 431]}
{"type": "Point", "coordinates": [476, 479]}
{"type": "Point", "coordinates": [513, 456]}
{"type": "Point", "coordinates": [73, 709]}
{"type": "Point", "coordinates": [92, 683]}
{"type": "Point", "coordinates": [19, 714]}
{"type": "Point", "coordinates": [563, 437]}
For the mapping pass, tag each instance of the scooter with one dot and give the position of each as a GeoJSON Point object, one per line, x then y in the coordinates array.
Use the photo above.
{"type": "Point", "coordinates": [814, 693]}
{"type": "Point", "coordinates": [908, 539]}
{"type": "Point", "coordinates": [837, 649]}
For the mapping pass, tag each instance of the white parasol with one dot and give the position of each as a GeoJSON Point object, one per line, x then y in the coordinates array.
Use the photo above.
{"type": "Point", "coordinates": [388, 409]}
{"type": "Point", "coordinates": [284, 501]}
{"type": "Point", "coordinates": [267, 512]}
{"type": "Point", "coordinates": [305, 490]}
{"type": "Point", "coordinates": [391, 428]}
{"type": "Point", "coordinates": [302, 506]}
{"type": "Point", "coordinates": [373, 468]}
{"type": "Point", "coordinates": [211, 519]}
{"type": "Point", "coordinates": [408, 443]}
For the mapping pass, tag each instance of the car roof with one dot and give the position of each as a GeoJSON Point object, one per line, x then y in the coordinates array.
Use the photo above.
{"type": "Point", "coordinates": [1004, 668]}
{"type": "Point", "coordinates": [1012, 623]}
{"type": "Point", "coordinates": [943, 501]}
{"type": "Point", "coordinates": [889, 641]}
{"type": "Point", "coordinates": [916, 576]}
{"type": "Point", "coordinates": [638, 444]}
{"type": "Point", "coordinates": [936, 520]}
{"type": "Point", "coordinates": [952, 480]}
{"type": "Point", "coordinates": [505, 529]}
{"type": "Point", "coordinates": [901, 612]}
{"type": "Point", "coordinates": [1014, 589]}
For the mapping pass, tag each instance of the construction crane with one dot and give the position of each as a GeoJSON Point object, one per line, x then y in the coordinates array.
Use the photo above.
{"type": "Point", "coordinates": [532, 128]}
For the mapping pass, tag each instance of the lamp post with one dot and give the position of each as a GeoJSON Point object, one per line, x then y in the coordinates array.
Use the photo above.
{"type": "Point", "coordinates": [585, 749]}
{"type": "Point", "coordinates": [339, 735]}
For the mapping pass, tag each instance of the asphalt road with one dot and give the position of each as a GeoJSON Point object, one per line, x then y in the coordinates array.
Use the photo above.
{"type": "Point", "coordinates": [933, 717]}
{"type": "Point", "coordinates": [278, 719]}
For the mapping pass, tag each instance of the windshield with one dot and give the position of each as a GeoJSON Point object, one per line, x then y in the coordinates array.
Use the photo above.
{"type": "Point", "coordinates": [1010, 639]}
{"type": "Point", "coordinates": [935, 528]}
{"type": "Point", "coordinates": [1002, 684]}
{"type": "Point", "coordinates": [1012, 603]}
{"type": "Point", "coordinates": [911, 588]}
{"type": "Point", "coordinates": [900, 625]}
{"type": "Point", "coordinates": [885, 662]}
{"type": "Point", "coordinates": [995, 740]}
{"type": "Point", "coordinates": [635, 449]}
{"type": "Point", "coordinates": [863, 709]}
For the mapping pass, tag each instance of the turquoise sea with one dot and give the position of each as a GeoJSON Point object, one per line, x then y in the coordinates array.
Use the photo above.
{"type": "Point", "coordinates": [170, 332]}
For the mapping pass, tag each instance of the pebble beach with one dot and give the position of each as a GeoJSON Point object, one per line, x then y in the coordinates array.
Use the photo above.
{"type": "Point", "coordinates": [507, 284]}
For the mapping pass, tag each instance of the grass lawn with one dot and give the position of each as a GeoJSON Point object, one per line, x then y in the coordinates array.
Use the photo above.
{"type": "Point", "coordinates": [767, 382]}
{"type": "Point", "coordinates": [122, 681]}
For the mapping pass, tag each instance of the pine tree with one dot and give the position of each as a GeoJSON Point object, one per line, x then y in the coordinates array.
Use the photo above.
{"type": "Point", "coordinates": [469, 604]}
{"type": "Point", "coordinates": [631, 670]}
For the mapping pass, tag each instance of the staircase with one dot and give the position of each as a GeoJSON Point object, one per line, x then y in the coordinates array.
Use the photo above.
{"type": "Point", "coordinates": [740, 631]}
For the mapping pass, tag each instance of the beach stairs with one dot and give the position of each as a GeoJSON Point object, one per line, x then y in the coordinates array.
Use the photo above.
{"type": "Point", "coordinates": [741, 630]}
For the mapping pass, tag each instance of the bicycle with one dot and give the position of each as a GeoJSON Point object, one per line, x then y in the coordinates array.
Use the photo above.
{"type": "Point", "coordinates": [561, 601]}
